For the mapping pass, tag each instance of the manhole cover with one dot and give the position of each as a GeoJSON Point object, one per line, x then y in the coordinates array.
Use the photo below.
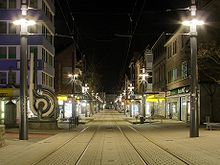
{"type": "Point", "coordinates": [111, 160]}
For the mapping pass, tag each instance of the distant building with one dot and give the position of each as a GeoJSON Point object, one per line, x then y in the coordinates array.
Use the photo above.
{"type": "Point", "coordinates": [66, 63]}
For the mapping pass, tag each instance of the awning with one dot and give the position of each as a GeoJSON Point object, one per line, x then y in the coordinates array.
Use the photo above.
{"type": "Point", "coordinates": [155, 98]}
{"type": "Point", "coordinates": [9, 92]}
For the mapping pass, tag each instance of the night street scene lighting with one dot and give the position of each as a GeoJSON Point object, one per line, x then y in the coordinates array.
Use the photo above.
{"type": "Point", "coordinates": [144, 77]}
{"type": "Point", "coordinates": [73, 78]}
{"type": "Point", "coordinates": [194, 111]}
{"type": "Point", "coordinates": [24, 23]}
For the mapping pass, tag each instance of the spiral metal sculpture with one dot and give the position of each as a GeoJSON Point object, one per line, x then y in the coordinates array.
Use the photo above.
{"type": "Point", "coordinates": [44, 101]}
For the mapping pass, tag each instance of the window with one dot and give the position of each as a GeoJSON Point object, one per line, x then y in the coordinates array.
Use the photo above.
{"type": "Point", "coordinates": [12, 4]}
{"type": "Point", "coordinates": [169, 51]}
{"type": "Point", "coordinates": [33, 3]}
{"type": "Point", "coordinates": [175, 47]}
{"type": "Point", "coordinates": [3, 52]}
{"type": "Point", "coordinates": [32, 29]}
{"type": "Point", "coordinates": [3, 77]}
{"type": "Point", "coordinates": [3, 4]}
{"type": "Point", "coordinates": [3, 27]}
{"type": "Point", "coordinates": [12, 52]}
{"type": "Point", "coordinates": [47, 57]}
{"type": "Point", "coordinates": [169, 77]}
{"type": "Point", "coordinates": [33, 49]}
{"type": "Point", "coordinates": [174, 77]}
{"type": "Point", "coordinates": [11, 77]}
{"type": "Point", "coordinates": [12, 28]}
{"type": "Point", "coordinates": [43, 78]}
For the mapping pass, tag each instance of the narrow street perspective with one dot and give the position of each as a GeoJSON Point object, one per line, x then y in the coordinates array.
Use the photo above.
{"type": "Point", "coordinates": [111, 82]}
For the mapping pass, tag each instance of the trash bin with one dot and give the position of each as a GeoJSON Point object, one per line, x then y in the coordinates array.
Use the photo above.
{"type": "Point", "coordinates": [141, 119]}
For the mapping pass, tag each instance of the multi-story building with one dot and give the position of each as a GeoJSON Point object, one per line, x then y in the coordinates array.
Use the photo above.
{"type": "Point", "coordinates": [159, 64]}
{"type": "Point", "coordinates": [139, 65]}
{"type": "Point", "coordinates": [69, 88]}
{"type": "Point", "coordinates": [175, 60]}
{"type": "Point", "coordinates": [40, 45]}
{"type": "Point", "coordinates": [177, 73]}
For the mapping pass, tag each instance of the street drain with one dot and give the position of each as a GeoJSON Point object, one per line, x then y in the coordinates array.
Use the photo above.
{"type": "Point", "coordinates": [169, 140]}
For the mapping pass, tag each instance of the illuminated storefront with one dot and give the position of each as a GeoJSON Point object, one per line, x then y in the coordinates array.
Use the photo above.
{"type": "Point", "coordinates": [178, 106]}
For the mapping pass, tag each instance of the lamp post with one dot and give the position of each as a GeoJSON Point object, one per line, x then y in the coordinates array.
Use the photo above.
{"type": "Point", "coordinates": [143, 76]}
{"type": "Point", "coordinates": [131, 88]}
{"type": "Point", "coordinates": [194, 113]}
{"type": "Point", "coordinates": [73, 78]}
{"type": "Point", "coordinates": [84, 91]}
{"type": "Point", "coordinates": [24, 23]}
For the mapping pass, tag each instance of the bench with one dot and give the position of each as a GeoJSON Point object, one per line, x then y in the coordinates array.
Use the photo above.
{"type": "Point", "coordinates": [209, 126]}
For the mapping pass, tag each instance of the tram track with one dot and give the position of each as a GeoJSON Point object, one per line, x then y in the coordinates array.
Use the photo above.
{"type": "Point", "coordinates": [44, 160]}
{"type": "Point", "coordinates": [138, 142]}
{"type": "Point", "coordinates": [174, 159]}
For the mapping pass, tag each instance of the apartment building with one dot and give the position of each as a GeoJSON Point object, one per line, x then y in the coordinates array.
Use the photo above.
{"type": "Point", "coordinates": [40, 45]}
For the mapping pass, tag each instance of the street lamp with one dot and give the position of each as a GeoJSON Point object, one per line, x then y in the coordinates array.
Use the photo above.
{"type": "Point", "coordinates": [84, 91]}
{"type": "Point", "coordinates": [24, 23]}
{"type": "Point", "coordinates": [194, 119]}
{"type": "Point", "coordinates": [73, 78]}
{"type": "Point", "coordinates": [143, 76]}
{"type": "Point", "coordinates": [130, 89]}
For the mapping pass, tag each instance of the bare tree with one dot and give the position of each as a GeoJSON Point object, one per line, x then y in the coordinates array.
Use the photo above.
{"type": "Point", "coordinates": [209, 71]}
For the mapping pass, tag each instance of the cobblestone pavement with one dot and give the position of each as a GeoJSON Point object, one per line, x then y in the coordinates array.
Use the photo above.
{"type": "Point", "coordinates": [109, 139]}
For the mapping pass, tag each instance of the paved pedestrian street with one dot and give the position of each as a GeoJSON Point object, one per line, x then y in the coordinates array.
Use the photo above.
{"type": "Point", "coordinates": [111, 139]}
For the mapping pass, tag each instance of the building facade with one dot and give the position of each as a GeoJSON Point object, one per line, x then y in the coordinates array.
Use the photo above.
{"type": "Point", "coordinates": [40, 46]}
{"type": "Point", "coordinates": [177, 73]}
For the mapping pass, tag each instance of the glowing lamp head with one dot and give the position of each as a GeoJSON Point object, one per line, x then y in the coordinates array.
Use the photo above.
{"type": "Point", "coordinates": [193, 22]}
{"type": "Point", "coordinates": [23, 21]}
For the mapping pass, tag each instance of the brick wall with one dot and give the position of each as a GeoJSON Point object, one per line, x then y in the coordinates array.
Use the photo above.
{"type": "Point", "coordinates": [2, 135]}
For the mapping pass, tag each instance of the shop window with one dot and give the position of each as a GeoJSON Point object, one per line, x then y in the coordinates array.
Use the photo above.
{"type": "Point", "coordinates": [3, 77]}
{"type": "Point", "coordinates": [3, 52]}
{"type": "Point", "coordinates": [3, 27]}
{"type": "Point", "coordinates": [3, 4]}
{"type": "Point", "coordinates": [12, 52]}
{"type": "Point", "coordinates": [12, 4]}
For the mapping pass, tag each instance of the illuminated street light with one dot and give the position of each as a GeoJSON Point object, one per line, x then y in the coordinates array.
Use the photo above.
{"type": "Point", "coordinates": [194, 114]}
{"type": "Point", "coordinates": [131, 94]}
{"type": "Point", "coordinates": [193, 22]}
{"type": "Point", "coordinates": [84, 91]}
{"type": "Point", "coordinates": [24, 23]}
{"type": "Point", "coordinates": [144, 77]}
{"type": "Point", "coordinates": [73, 78]}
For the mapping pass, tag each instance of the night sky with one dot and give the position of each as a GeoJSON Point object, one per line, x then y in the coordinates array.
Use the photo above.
{"type": "Point", "coordinates": [103, 28]}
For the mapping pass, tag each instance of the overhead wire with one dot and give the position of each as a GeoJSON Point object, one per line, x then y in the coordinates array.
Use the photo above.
{"type": "Point", "coordinates": [132, 35]}
{"type": "Point", "coordinates": [67, 24]}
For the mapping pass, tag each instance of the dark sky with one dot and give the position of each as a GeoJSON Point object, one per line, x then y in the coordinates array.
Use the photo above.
{"type": "Point", "coordinates": [102, 27]}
